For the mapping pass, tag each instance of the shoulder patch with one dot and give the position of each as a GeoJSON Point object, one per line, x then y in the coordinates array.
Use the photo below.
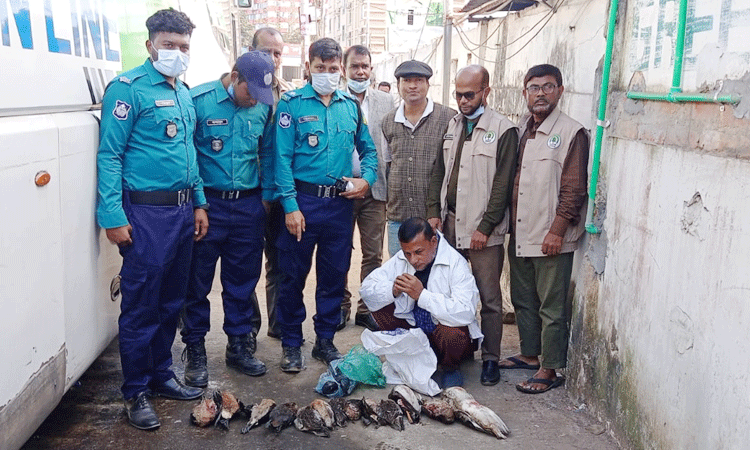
{"type": "Point", "coordinates": [125, 80]}
{"type": "Point", "coordinates": [285, 120]}
{"type": "Point", "coordinates": [286, 96]}
{"type": "Point", "coordinates": [121, 110]}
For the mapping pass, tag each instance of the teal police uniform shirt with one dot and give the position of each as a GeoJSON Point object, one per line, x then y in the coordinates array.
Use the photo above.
{"type": "Point", "coordinates": [314, 143]}
{"type": "Point", "coordinates": [234, 144]}
{"type": "Point", "coordinates": [145, 141]}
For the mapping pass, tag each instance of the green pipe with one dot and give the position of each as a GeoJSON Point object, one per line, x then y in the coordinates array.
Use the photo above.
{"type": "Point", "coordinates": [590, 227]}
{"type": "Point", "coordinates": [679, 50]}
{"type": "Point", "coordinates": [676, 97]}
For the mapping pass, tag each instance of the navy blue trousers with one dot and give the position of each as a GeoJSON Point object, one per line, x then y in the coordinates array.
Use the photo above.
{"type": "Point", "coordinates": [154, 280]}
{"type": "Point", "coordinates": [235, 234]}
{"type": "Point", "coordinates": [328, 225]}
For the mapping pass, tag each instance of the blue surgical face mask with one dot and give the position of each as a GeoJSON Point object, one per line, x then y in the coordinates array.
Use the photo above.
{"type": "Point", "coordinates": [171, 63]}
{"type": "Point", "coordinates": [476, 113]}
{"type": "Point", "coordinates": [325, 83]}
{"type": "Point", "coordinates": [230, 91]}
{"type": "Point", "coordinates": [357, 87]}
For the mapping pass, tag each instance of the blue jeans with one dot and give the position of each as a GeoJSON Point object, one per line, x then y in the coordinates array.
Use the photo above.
{"type": "Point", "coordinates": [393, 243]}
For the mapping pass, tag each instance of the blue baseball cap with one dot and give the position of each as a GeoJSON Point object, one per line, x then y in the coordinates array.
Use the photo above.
{"type": "Point", "coordinates": [257, 69]}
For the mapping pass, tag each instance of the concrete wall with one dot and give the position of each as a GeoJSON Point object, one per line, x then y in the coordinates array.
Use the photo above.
{"type": "Point", "coordinates": [661, 301]}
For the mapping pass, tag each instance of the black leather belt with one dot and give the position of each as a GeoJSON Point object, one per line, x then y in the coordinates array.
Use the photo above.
{"type": "Point", "coordinates": [161, 198]}
{"type": "Point", "coordinates": [318, 190]}
{"type": "Point", "coordinates": [231, 195]}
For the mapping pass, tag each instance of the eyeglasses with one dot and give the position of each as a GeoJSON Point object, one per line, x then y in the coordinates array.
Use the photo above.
{"type": "Point", "coordinates": [547, 88]}
{"type": "Point", "coordinates": [467, 95]}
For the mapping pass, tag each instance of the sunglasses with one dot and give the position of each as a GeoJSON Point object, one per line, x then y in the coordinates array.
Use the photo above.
{"type": "Point", "coordinates": [467, 95]}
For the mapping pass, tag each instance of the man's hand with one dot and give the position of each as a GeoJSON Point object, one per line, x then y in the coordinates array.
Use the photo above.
{"type": "Point", "coordinates": [295, 223]}
{"type": "Point", "coordinates": [478, 240]}
{"type": "Point", "coordinates": [121, 235]}
{"type": "Point", "coordinates": [360, 188]}
{"type": "Point", "coordinates": [435, 223]}
{"type": "Point", "coordinates": [552, 244]}
{"type": "Point", "coordinates": [201, 224]}
{"type": "Point", "coordinates": [409, 284]}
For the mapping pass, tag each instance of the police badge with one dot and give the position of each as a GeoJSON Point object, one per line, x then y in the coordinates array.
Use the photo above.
{"type": "Point", "coordinates": [217, 145]}
{"type": "Point", "coordinates": [285, 120]}
{"type": "Point", "coordinates": [121, 110]}
{"type": "Point", "coordinates": [312, 140]}
{"type": "Point", "coordinates": [171, 129]}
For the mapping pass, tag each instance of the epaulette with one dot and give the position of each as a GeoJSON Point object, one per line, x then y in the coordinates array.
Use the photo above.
{"type": "Point", "coordinates": [202, 89]}
{"type": "Point", "coordinates": [286, 96]}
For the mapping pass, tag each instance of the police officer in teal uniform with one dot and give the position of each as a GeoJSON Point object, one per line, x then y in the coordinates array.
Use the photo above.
{"type": "Point", "coordinates": [150, 200]}
{"type": "Point", "coordinates": [317, 127]}
{"type": "Point", "coordinates": [234, 143]}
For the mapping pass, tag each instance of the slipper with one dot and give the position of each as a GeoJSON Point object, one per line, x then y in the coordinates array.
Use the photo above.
{"type": "Point", "coordinates": [549, 384]}
{"type": "Point", "coordinates": [519, 364]}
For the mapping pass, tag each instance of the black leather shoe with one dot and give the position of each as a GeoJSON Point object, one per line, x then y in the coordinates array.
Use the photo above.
{"type": "Point", "coordinates": [490, 373]}
{"type": "Point", "coordinates": [239, 355]}
{"type": "Point", "coordinates": [366, 320]}
{"type": "Point", "coordinates": [196, 372]}
{"type": "Point", "coordinates": [140, 413]}
{"type": "Point", "coordinates": [292, 359]}
{"type": "Point", "coordinates": [325, 351]}
{"type": "Point", "coordinates": [343, 318]}
{"type": "Point", "coordinates": [276, 334]}
{"type": "Point", "coordinates": [175, 390]}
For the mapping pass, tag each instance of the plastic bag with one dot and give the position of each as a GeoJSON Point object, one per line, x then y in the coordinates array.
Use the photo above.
{"type": "Point", "coordinates": [409, 359]}
{"type": "Point", "coordinates": [332, 383]}
{"type": "Point", "coordinates": [362, 366]}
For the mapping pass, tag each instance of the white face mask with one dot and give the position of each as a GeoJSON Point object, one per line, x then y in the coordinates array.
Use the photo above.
{"type": "Point", "coordinates": [171, 63]}
{"type": "Point", "coordinates": [325, 83]}
{"type": "Point", "coordinates": [357, 87]}
{"type": "Point", "coordinates": [476, 113]}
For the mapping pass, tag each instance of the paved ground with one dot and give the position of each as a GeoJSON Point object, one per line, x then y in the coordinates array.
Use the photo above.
{"type": "Point", "coordinates": [91, 415]}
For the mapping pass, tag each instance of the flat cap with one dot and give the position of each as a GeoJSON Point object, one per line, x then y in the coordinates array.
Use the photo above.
{"type": "Point", "coordinates": [414, 69]}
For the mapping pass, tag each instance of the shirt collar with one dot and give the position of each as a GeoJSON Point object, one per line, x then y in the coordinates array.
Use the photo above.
{"type": "Point", "coordinates": [156, 77]}
{"type": "Point", "coordinates": [401, 117]}
{"type": "Point", "coordinates": [221, 91]}
{"type": "Point", "coordinates": [308, 92]}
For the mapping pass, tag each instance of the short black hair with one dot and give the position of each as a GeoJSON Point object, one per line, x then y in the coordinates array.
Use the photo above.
{"type": "Point", "coordinates": [412, 227]}
{"type": "Point", "coordinates": [543, 70]}
{"type": "Point", "coordinates": [384, 83]}
{"type": "Point", "coordinates": [259, 31]}
{"type": "Point", "coordinates": [325, 48]}
{"type": "Point", "coordinates": [358, 50]}
{"type": "Point", "coordinates": [169, 21]}
{"type": "Point", "coordinates": [240, 78]}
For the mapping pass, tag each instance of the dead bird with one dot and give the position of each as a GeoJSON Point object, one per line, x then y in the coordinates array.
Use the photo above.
{"type": "Point", "coordinates": [409, 401]}
{"type": "Point", "coordinates": [207, 411]}
{"type": "Point", "coordinates": [389, 413]}
{"type": "Point", "coordinates": [308, 419]}
{"type": "Point", "coordinates": [259, 414]}
{"type": "Point", "coordinates": [369, 411]}
{"type": "Point", "coordinates": [338, 405]}
{"type": "Point", "coordinates": [473, 414]}
{"type": "Point", "coordinates": [325, 411]}
{"type": "Point", "coordinates": [282, 417]}
{"type": "Point", "coordinates": [438, 409]}
{"type": "Point", "coordinates": [353, 409]}
{"type": "Point", "coordinates": [229, 407]}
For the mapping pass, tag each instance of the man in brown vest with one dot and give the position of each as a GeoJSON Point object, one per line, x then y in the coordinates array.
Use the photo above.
{"type": "Point", "coordinates": [469, 195]}
{"type": "Point", "coordinates": [547, 210]}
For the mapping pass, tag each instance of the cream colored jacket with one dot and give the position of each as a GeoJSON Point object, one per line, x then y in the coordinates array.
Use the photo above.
{"type": "Point", "coordinates": [475, 176]}
{"type": "Point", "coordinates": [539, 185]}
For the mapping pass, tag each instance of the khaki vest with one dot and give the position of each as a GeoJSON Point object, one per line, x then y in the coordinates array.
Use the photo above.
{"type": "Point", "coordinates": [539, 185]}
{"type": "Point", "coordinates": [475, 176]}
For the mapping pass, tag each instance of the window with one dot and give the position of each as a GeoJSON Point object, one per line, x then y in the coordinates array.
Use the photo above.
{"type": "Point", "coordinates": [410, 17]}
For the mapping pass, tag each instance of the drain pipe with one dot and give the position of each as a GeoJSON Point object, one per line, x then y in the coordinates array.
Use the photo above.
{"type": "Point", "coordinates": [600, 123]}
{"type": "Point", "coordinates": [675, 94]}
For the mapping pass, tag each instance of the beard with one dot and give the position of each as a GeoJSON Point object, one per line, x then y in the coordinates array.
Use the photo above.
{"type": "Point", "coordinates": [542, 107]}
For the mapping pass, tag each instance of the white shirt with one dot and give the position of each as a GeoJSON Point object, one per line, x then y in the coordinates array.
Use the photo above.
{"type": "Point", "coordinates": [451, 295]}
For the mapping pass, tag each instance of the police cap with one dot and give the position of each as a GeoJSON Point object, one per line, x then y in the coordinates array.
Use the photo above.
{"type": "Point", "coordinates": [413, 69]}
